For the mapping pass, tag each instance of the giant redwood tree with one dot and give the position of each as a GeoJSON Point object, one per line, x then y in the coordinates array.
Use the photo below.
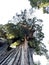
{"type": "Point", "coordinates": [29, 33]}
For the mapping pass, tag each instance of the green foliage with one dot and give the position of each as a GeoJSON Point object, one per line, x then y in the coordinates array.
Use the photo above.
{"type": "Point", "coordinates": [2, 32]}
{"type": "Point", "coordinates": [15, 44]}
{"type": "Point", "coordinates": [32, 30]}
{"type": "Point", "coordinates": [11, 30]}
{"type": "Point", "coordinates": [37, 2]}
{"type": "Point", "coordinates": [33, 2]}
{"type": "Point", "coordinates": [29, 28]}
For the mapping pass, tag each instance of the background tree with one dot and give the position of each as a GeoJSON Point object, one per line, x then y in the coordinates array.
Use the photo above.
{"type": "Point", "coordinates": [2, 32]}
{"type": "Point", "coordinates": [37, 2]}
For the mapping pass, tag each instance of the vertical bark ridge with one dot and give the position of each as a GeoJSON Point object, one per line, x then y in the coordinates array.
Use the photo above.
{"type": "Point", "coordinates": [30, 57]}
{"type": "Point", "coordinates": [22, 56]}
{"type": "Point", "coordinates": [25, 52]}
{"type": "Point", "coordinates": [17, 58]}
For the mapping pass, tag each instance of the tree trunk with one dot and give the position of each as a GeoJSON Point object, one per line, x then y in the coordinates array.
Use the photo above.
{"type": "Point", "coordinates": [26, 58]}
{"type": "Point", "coordinates": [25, 52]}
{"type": "Point", "coordinates": [31, 56]}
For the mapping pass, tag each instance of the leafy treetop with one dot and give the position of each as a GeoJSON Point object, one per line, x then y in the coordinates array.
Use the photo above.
{"type": "Point", "coordinates": [31, 29]}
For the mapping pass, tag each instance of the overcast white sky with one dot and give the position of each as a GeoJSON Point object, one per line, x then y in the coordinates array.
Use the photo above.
{"type": "Point", "coordinates": [8, 9]}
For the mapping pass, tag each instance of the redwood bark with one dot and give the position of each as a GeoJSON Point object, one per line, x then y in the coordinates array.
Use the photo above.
{"type": "Point", "coordinates": [27, 57]}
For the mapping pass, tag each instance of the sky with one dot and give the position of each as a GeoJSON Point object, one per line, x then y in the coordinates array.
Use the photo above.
{"type": "Point", "coordinates": [8, 8]}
